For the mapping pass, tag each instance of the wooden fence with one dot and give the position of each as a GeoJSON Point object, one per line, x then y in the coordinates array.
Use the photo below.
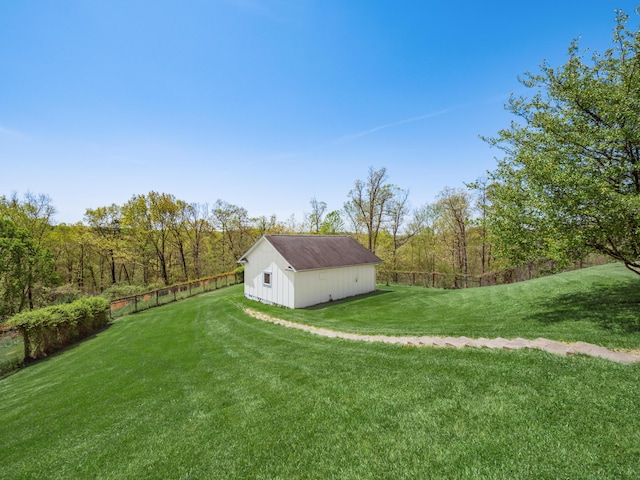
{"type": "Point", "coordinates": [510, 275]}
{"type": "Point", "coordinates": [143, 301]}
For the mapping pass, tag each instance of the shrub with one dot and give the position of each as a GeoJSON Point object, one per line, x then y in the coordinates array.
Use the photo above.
{"type": "Point", "coordinates": [51, 328]}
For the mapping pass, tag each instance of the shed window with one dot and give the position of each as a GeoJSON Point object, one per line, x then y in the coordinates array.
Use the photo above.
{"type": "Point", "coordinates": [266, 278]}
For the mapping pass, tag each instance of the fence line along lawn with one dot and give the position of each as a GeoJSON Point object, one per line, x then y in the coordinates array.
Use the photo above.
{"type": "Point", "coordinates": [199, 389]}
{"type": "Point", "coordinates": [599, 305]}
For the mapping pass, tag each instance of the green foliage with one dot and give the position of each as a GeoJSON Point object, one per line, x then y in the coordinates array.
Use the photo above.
{"type": "Point", "coordinates": [33, 213]}
{"type": "Point", "coordinates": [63, 294]}
{"type": "Point", "coordinates": [239, 269]}
{"type": "Point", "coordinates": [52, 328]}
{"type": "Point", "coordinates": [332, 224]}
{"type": "Point", "coordinates": [570, 181]}
{"type": "Point", "coordinates": [234, 226]}
{"type": "Point", "coordinates": [123, 290]}
{"type": "Point", "coordinates": [155, 238]}
{"type": "Point", "coordinates": [24, 265]}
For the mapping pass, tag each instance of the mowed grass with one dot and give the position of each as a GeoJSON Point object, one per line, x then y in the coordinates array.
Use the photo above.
{"type": "Point", "coordinates": [11, 352]}
{"type": "Point", "coordinates": [199, 389]}
{"type": "Point", "coordinates": [599, 305]}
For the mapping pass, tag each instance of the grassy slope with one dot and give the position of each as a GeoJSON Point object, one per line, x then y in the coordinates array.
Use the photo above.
{"type": "Point", "coordinates": [11, 353]}
{"type": "Point", "coordinates": [198, 389]}
{"type": "Point", "coordinates": [599, 305]}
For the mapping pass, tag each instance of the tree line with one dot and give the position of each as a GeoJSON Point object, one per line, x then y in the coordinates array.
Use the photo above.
{"type": "Point", "coordinates": [157, 239]}
{"type": "Point", "coordinates": [568, 185]}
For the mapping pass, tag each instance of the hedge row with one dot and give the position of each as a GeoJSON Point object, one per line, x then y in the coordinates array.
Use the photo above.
{"type": "Point", "coordinates": [52, 328]}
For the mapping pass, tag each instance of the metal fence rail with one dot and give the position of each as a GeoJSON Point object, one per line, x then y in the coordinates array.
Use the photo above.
{"type": "Point", "coordinates": [161, 296]}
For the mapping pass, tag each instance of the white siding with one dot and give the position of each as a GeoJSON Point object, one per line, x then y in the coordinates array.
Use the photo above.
{"type": "Point", "coordinates": [264, 258]}
{"type": "Point", "coordinates": [320, 286]}
{"type": "Point", "coordinates": [301, 289]}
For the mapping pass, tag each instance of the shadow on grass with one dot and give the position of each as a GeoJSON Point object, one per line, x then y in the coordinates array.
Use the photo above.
{"type": "Point", "coordinates": [342, 301]}
{"type": "Point", "coordinates": [614, 307]}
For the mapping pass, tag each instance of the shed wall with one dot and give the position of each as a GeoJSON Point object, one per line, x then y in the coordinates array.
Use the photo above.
{"type": "Point", "coordinates": [281, 291]}
{"type": "Point", "coordinates": [320, 286]}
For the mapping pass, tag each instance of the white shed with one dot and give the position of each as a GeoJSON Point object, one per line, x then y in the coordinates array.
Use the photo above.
{"type": "Point", "coordinates": [298, 271]}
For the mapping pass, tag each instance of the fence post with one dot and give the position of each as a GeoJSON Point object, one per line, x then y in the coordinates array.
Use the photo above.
{"type": "Point", "coordinates": [201, 286]}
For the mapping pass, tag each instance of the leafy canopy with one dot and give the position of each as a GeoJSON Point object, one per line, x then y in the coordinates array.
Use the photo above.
{"type": "Point", "coordinates": [570, 181]}
{"type": "Point", "coordinates": [23, 264]}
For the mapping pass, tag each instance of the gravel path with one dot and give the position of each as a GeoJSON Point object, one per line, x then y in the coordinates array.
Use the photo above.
{"type": "Point", "coordinates": [459, 342]}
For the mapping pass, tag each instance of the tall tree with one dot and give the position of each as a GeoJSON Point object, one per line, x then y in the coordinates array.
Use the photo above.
{"type": "Point", "coordinates": [316, 216]}
{"type": "Point", "coordinates": [455, 213]}
{"type": "Point", "coordinates": [150, 218]}
{"type": "Point", "coordinates": [398, 208]}
{"type": "Point", "coordinates": [35, 215]}
{"type": "Point", "coordinates": [481, 187]}
{"type": "Point", "coordinates": [367, 204]}
{"type": "Point", "coordinates": [23, 266]}
{"type": "Point", "coordinates": [178, 226]}
{"type": "Point", "coordinates": [570, 181]}
{"type": "Point", "coordinates": [162, 212]}
{"type": "Point", "coordinates": [106, 224]}
{"type": "Point", "coordinates": [234, 225]}
{"type": "Point", "coordinates": [332, 223]}
{"type": "Point", "coordinates": [69, 250]}
{"type": "Point", "coordinates": [424, 243]}
{"type": "Point", "coordinates": [198, 220]}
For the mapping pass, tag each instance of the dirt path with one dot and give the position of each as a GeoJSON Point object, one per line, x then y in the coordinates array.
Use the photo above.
{"type": "Point", "coordinates": [459, 342]}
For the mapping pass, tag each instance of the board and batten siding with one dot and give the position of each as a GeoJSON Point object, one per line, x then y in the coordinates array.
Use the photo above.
{"type": "Point", "coordinates": [320, 286]}
{"type": "Point", "coordinates": [265, 259]}
{"type": "Point", "coordinates": [307, 270]}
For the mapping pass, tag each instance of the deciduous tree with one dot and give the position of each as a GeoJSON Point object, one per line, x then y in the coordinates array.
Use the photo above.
{"type": "Point", "coordinates": [455, 214]}
{"type": "Point", "coordinates": [481, 187]}
{"type": "Point", "coordinates": [150, 218]}
{"type": "Point", "coordinates": [234, 225]}
{"type": "Point", "coordinates": [398, 208]}
{"type": "Point", "coordinates": [23, 265]}
{"type": "Point", "coordinates": [570, 181]}
{"type": "Point", "coordinates": [332, 223]}
{"type": "Point", "coordinates": [367, 205]}
{"type": "Point", "coordinates": [106, 224]}
{"type": "Point", "coordinates": [316, 216]}
{"type": "Point", "coordinates": [198, 220]}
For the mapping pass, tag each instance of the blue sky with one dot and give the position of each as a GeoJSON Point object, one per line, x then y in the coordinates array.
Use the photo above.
{"type": "Point", "coordinates": [266, 103]}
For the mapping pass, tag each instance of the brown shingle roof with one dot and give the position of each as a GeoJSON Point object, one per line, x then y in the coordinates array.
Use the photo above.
{"type": "Point", "coordinates": [312, 252]}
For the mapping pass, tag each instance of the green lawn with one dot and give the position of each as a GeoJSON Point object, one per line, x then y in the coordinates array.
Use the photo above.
{"type": "Point", "coordinates": [198, 389]}
{"type": "Point", "coordinates": [599, 305]}
{"type": "Point", "coordinates": [11, 352]}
